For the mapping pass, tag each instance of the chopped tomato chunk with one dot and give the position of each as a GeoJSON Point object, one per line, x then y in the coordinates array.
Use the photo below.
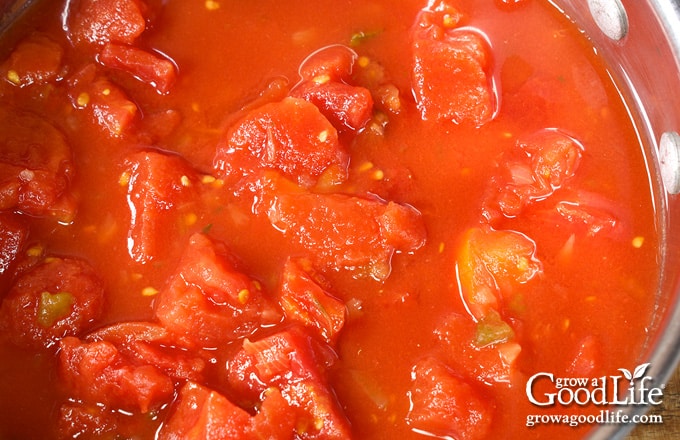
{"type": "Point", "coordinates": [152, 344]}
{"type": "Point", "coordinates": [291, 136]}
{"type": "Point", "coordinates": [489, 263]}
{"type": "Point", "coordinates": [208, 301]}
{"type": "Point", "coordinates": [290, 362]}
{"type": "Point", "coordinates": [305, 300]}
{"type": "Point", "coordinates": [450, 68]}
{"type": "Point", "coordinates": [345, 106]}
{"type": "Point", "coordinates": [35, 167]}
{"type": "Point", "coordinates": [446, 406]}
{"type": "Point", "coordinates": [145, 66]}
{"type": "Point", "coordinates": [57, 298]}
{"type": "Point", "coordinates": [103, 21]}
{"type": "Point", "coordinates": [548, 159]}
{"type": "Point", "coordinates": [160, 187]}
{"type": "Point", "coordinates": [326, 76]}
{"type": "Point", "coordinates": [345, 232]}
{"type": "Point", "coordinates": [203, 414]}
{"type": "Point", "coordinates": [554, 155]}
{"type": "Point", "coordinates": [271, 360]}
{"type": "Point", "coordinates": [486, 350]}
{"type": "Point", "coordinates": [98, 373]}
{"type": "Point", "coordinates": [108, 104]}
{"type": "Point", "coordinates": [583, 214]}
{"type": "Point", "coordinates": [36, 60]}
{"type": "Point", "coordinates": [593, 220]}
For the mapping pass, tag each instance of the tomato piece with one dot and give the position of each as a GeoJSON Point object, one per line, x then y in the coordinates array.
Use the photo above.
{"type": "Point", "coordinates": [145, 66]}
{"type": "Point", "coordinates": [289, 361]}
{"type": "Point", "coordinates": [13, 235]}
{"type": "Point", "coordinates": [36, 60]}
{"type": "Point", "coordinates": [446, 406]}
{"type": "Point", "coordinates": [345, 106]}
{"type": "Point", "coordinates": [35, 167]}
{"type": "Point", "coordinates": [56, 298]}
{"type": "Point", "coordinates": [543, 163]}
{"type": "Point", "coordinates": [346, 232]}
{"type": "Point", "coordinates": [291, 136]}
{"type": "Point", "coordinates": [581, 214]}
{"type": "Point", "coordinates": [592, 219]}
{"type": "Point", "coordinates": [152, 344]}
{"type": "Point", "coordinates": [305, 300]}
{"type": "Point", "coordinates": [450, 68]}
{"type": "Point", "coordinates": [203, 414]}
{"type": "Point", "coordinates": [554, 155]}
{"type": "Point", "coordinates": [200, 413]}
{"type": "Point", "coordinates": [490, 263]}
{"type": "Point", "coordinates": [160, 188]}
{"type": "Point", "coordinates": [98, 373]}
{"type": "Point", "coordinates": [108, 105]}
{"type": "Point", "coordinates": [208, 301]}
{"type": "Point", "coordinates": [331, 63]}
{"type": "Point", "coordinates": [102, 21]}
{"type": "Point", "coordinates": [272, 361]}
{"type": "Point", "coordinates": [488, 356]}
{"type": "Point", "coordinates": [111, 108]}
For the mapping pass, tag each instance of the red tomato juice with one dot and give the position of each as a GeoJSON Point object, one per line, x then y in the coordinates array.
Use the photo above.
{"type": "Point", "coordinates": [346, 220]}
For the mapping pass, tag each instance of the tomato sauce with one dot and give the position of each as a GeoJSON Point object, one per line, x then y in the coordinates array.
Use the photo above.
{"type": "Point", "coordinates": [352, 220]}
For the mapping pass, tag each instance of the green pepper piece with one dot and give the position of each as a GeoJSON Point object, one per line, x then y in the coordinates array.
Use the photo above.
{"type": "Point", "coordinates": [53, 307]}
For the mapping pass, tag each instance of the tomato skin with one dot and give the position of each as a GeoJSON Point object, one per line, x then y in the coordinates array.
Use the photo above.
{"type": "Point", "coordinates": [147, 67]}
{"type": "Point", "coordinates": [208, 301]}
{"type": "Point", "coordinates": [98, 373]}
{"type": "Point", "coordinates": [29, 321]}
{"type": "Point", "coordinates": [443, 404]}
{"type": "Point", "coordinates": [364, 235]}
{"type": "Point", "coordinates": [101, 21]}
{"type": "Point", "coordinates": [290, 136]}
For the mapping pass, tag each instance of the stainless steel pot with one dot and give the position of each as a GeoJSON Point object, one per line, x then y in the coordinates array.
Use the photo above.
{"type": "Point", "coordinates": [640, 41]}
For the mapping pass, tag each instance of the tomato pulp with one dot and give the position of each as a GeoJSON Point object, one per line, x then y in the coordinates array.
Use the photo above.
{"type": "Point", "coordinates": [265, 219]}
